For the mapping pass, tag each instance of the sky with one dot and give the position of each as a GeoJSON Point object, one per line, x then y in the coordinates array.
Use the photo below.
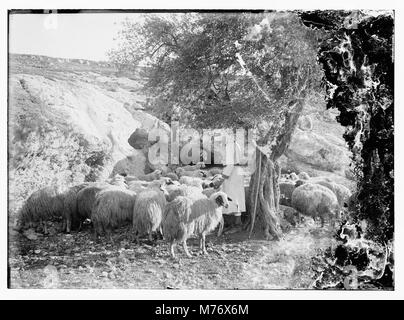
{"type": "Point", "coordinates": [75, 36]}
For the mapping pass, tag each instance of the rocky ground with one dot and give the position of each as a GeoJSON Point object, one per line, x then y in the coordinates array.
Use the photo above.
{"type": "Point", "coordinates": [234, 262]}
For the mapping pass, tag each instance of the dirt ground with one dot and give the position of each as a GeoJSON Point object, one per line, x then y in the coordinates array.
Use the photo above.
{"type": "Point", "coordinates": [234, 262]}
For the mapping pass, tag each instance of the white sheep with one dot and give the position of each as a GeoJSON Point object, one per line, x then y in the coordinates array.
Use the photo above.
{"type": "Point", "coordinates": [197, 174]}
{"type": "Point", "coordinates": [192, 181]}
{"type": "Point", "coordinates": [204, 217]}
{"type": "Point", "coordinates": [113, 207]}
{"type": "Point", "coordinates": [148, 211]}
{"type": "Point", "coordinates": [315, 201]}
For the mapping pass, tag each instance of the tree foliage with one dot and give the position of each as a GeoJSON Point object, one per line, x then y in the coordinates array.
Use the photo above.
{"type": "Point", "coordinates": [222, 70]}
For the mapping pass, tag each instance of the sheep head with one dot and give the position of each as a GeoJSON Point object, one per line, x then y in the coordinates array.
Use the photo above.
{"type": "Point", "coordinates": [201, 164]}
{"type": "Point", "coordinates": [221, 199]}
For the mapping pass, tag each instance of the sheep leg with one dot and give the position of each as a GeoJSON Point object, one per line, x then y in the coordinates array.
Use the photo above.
{"type": "Point", "coordinates": [203, 240]}
{"type": "Point", "coordinates": [68, 225]}
{"type": "Point", "coordinates": [184, 244]}
{"type": "Point", "coordinates": [45, 227]}
{"type": "Point", "coordinates": [221, 225]}
{"type": "Point", "coordinates": [171, 249]}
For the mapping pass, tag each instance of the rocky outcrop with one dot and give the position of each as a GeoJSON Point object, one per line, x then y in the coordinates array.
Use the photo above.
{"type": "Point", "coordinates": [317, 146]}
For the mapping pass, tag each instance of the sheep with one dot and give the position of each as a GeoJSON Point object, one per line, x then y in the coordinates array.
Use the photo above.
{"type": "Point", "coordinates": [217, 180]}
{"type": "Point", "coordinates": [192, 181]}
{"type": "Point", "coordinates": [148, 211]}
{"type": "Point", "coordinates": [343, 193]}
{"type": "Point", "coordinates": [70, 213]}
{"type": "Point", "coordinates": [185, 217]}
{"type": "Point", "coordinates": [215, 171]}
{"type": "Point", "coordinates": [315, 200]}
{"type": "Point", "coordinates": [286, 190]}
{"type": "Point", "coordinates": [183, 190]}
{"type": "Point", "coordinates": [155, 175]}
{"type": "Point", "coordinates": [173, 176]}
{"type": "Point", "coordinates": [303, 176]}
{"type": "Point", "coordinates": [176, 224]}
{"type": "Point", "coordinates": [42, 205]}
{"type": "Point", "coordinates": [118, 180]}
{"type": "Point", "coordinates": [290, 215]}
{"type": "Point", "coordinates": [209, 191]}
{"type": "Point", "coordinates": [86, 199]}
{"type": "Point", "coordinates": [198, 173]}
{"type": "Point", "coordinates": [113, 207]}
{"type": "Point", "coordinates": [293, 176]}
{"type": "Point", "coordinates": [299, 183]}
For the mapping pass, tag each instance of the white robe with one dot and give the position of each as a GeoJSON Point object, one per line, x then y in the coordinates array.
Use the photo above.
{"type": "Point", "coordinates": [234, 188]}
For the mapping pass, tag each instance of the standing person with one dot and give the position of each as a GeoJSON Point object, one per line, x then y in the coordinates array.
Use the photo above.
{"type": "Point", "coordinates": [233, 186]}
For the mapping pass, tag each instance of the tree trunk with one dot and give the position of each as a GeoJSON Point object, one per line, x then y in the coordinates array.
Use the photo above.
{"type": "Point", "coordinates": [264, 184]}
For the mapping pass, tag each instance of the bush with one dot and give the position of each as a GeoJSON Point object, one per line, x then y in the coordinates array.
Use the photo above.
{"type": "Point", "coordinates": [43, 154]}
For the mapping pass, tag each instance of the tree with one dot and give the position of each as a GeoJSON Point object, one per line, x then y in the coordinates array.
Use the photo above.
{"type": "Point", "coordinates": [230, 71]}
{"type": "Point", "coordinates": [357, 58]}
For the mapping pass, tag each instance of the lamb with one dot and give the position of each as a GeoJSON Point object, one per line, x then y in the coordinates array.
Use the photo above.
{"type": "Point", "coordinates": [41, 206]}
{"type": "Point", "coordinates": [185, 217]}
{"type": "Point", "coordinates": [316, 201]}
{"type": "Point", "coordinates": [148, 211]}
{"type": "Point", "coordinates": [113, 207]}
{"type": "Point", "coordinates": [70, 214]}
{"type": "Point", "coordinates": [198, 173]}
{"type": "Point", "coordinates": [303, 176]}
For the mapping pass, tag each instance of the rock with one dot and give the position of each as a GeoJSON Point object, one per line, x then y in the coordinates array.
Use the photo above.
{"type": "Point", "coordinates": [31, 234]}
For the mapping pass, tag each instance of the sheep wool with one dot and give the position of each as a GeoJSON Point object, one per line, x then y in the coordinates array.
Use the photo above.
{"type": "Point", "coordinates": [176, 224]}
{"type": "Point", "coordinates": [173, 176]}
{"type": "Point", "coordinates": [148, 212]}
{"type": "Point", "coordinates": [155, 175]}
{"type": "Point", "coordinates": [113, 207]}
{"type": "Point", "coordinates": [86, 199]}
{"type": "Point", "coordinates": [197, 173]}
{"type": "Point", "coordinates": [70, 210]}
{"type": "Point", "coordinates": [42, 205]}
{"type": "Point", "coordinates": [192, 181]}
{"type": "Point", "coordinates": [315, 201]}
